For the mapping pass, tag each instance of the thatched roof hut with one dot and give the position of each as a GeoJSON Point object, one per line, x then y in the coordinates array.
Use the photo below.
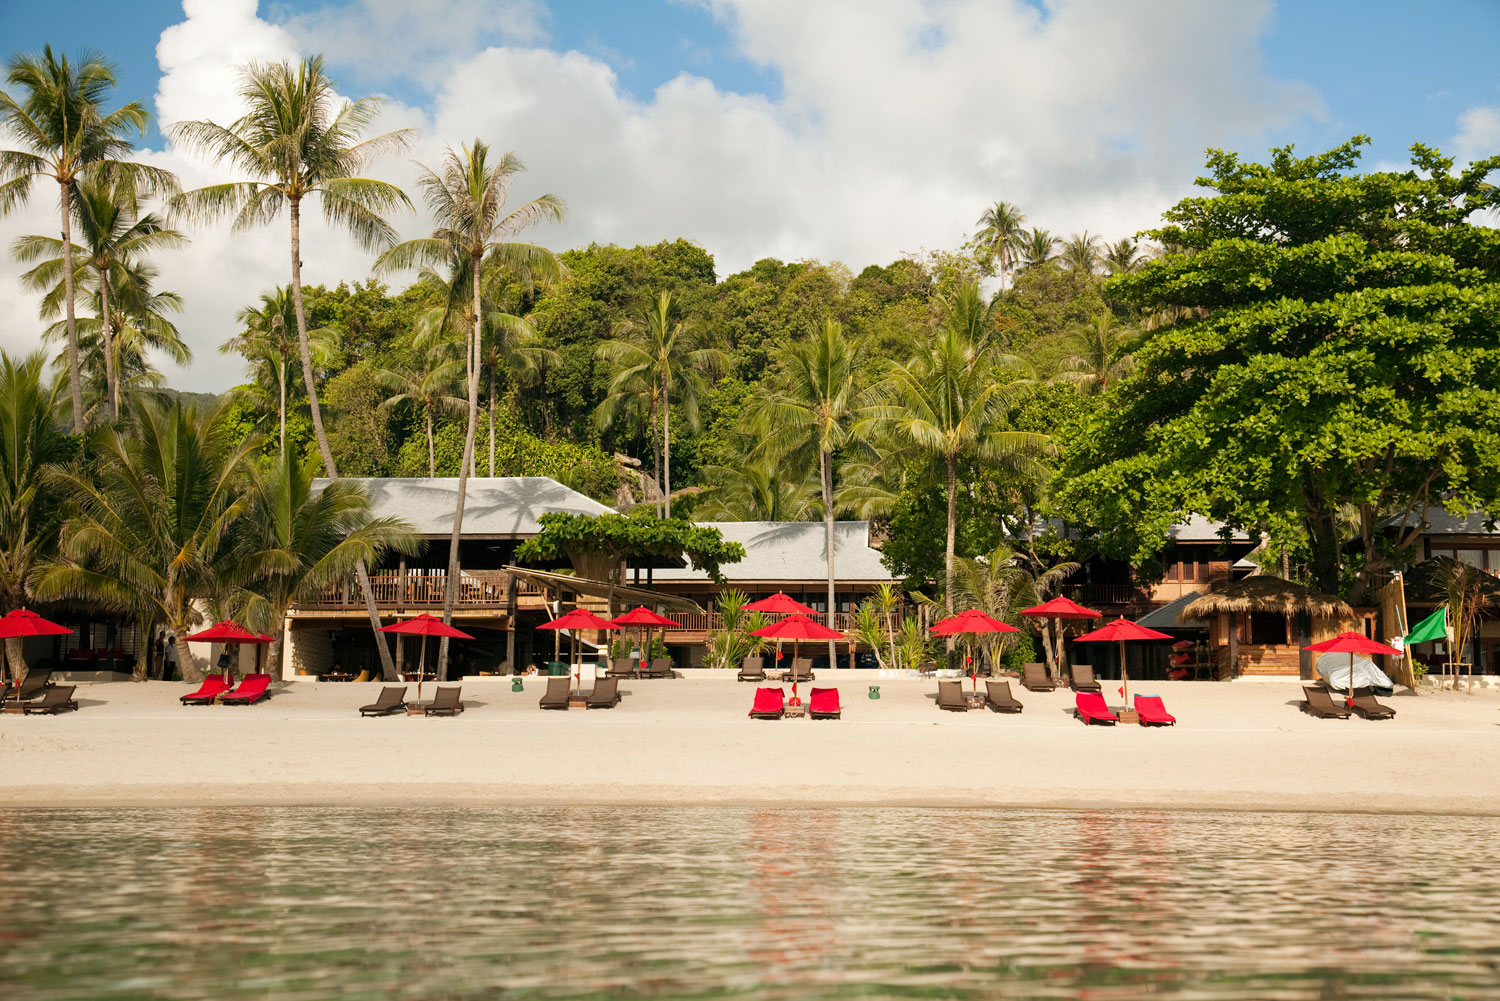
{"type": "Point", "coordinates": [1266, 594]}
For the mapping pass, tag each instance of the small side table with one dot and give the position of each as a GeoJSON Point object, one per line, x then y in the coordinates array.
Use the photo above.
{"type": "Point", "coordinates": [794, 711]}
{"type": "Point", "coordinates": [1129, 716]}
{"type": "Point", "coordinates": [578, 702]}
{"type": "Point", "coordinates": [416, 709]}
{"type": "Point", "coordinates": [974, 700]}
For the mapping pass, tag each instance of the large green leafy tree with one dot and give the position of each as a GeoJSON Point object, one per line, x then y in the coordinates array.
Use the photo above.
{"type": "Point", "coordinates": [150, 518]}
{"type": "Point", "coordinates": [1338, 346]}
{"type": "Point", "coordinates": [475, 226]}
{"type": "Point", "coordinates": [57, 116]}
{"type": "Point", "coordinates": [111, 262]}
{"type": "Point", "coordinates": [296, 141]}
{"type": "Point", "coordinates": [32, 444]}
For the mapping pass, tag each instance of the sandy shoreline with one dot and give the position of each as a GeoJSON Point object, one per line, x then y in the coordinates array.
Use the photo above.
{"type": "Point", "coordinates": [687, 741]}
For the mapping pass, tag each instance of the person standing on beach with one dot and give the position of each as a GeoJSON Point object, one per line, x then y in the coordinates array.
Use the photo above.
{"type": "Point", "coordinates": [169, 660]}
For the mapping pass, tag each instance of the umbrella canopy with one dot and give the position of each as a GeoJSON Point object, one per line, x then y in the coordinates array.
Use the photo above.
{"type": "Point", "coordinates": [227, 631]}
{"type": "Point", "coordinates": [578, 618]}
{"type": "Point", "coordinates": [972, 621]}
{"type": "Point", "coordinates": [780, 604]}
{"type": "Point", "coordinates": [643, 616]}
{"type": "Point", "coordinates": [1120, 630]}
{"type": "Point", "coordinates": [1061, 608]}
{"type": "Point", "coordinates": [1352, 643]}
{"type": "Point", "coordinates": [797, 627]}
{"type": "Point", "coordinates": [22, 622]}
{"type": "Point", "coordinates": [424, 625]}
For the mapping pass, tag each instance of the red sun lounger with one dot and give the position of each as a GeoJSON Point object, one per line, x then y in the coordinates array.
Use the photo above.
{"type": "Point", "coordinates": [770, 703]}
{"type": "Point", "coordinates": [213, 685]}
{"type": "Point", "coordinates": [823, 703]}
{"type": "Point", "coordinates": [1150, 710]}
{"type": "Point", "coordinates": [251, 690]}
{"type": "Point", "coordinates": [1090, 707]}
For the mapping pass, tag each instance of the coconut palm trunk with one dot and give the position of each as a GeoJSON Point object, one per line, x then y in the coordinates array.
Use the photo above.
{"type": "Point", "coordinates": [825, 471]}
{"type": "Point", "coordinates": [74, 372]}
{"type": "Point", "coordinates": [666, 449]}
{"type": "Point", "coordinates": [106, 331]}
{"type": "Point", "coordinates": [492, 421]}
{"type": "Point", "coordinates": [949, 545]}
{"type": "Point", "coordinates": [281, 388]}
{"type": "Point", "coordinates": [387, 665]}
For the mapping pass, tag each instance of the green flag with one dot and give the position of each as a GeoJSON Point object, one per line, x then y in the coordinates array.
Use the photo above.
{"type": "Point", "coordinates": [1434, 627]}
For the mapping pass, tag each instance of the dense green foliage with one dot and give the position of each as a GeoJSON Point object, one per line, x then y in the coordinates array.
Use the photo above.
{"type": "Point", "coordinates": [581, 538]}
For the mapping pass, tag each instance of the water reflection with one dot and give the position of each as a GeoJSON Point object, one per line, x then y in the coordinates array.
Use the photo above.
{"type": "Point", "coordinates": [762, 903]}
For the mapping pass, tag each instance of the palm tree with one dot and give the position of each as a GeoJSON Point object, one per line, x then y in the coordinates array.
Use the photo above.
{"type": "Point", "coordinates": [1124, 257]}
{"type": "Point", "coordinates": [510, 347]}
{"type": "Point", "coordinates": [758, 490]}
{"type": "Point", "coordinates": [815, 404]}
{"type": "Point", "coordinates": [947, 404]}
{"type": "Point", "coordinates": [144, 327]}
{"type": "Point", "coordinates": [68, 138]}
{"type": "Point", "coordinates": [295, 541]}
{"type": "Point", "coordinates": [32, 443]}
{"type": "Point", "coordinates": [1001, 233]}
{"type": "Point", "coordinates": [297, 141]}
{"type": "Point", "coordinates": [117, 238]}
{"type": "Point", "coordinates": [660, 356]}
{"type": "Point", "coordinates": [1097, 357]}
{"type": "Point", "coordinates": [148, 529]}
{"type": "Point", "coordinates": [1081, 253]}
{"type": "Point", "coordinates": [468, 201]}
{"type": "Point", "coordinates": [427, 385]}
{"type": "Point", "coordinates": [269, 344]}
{"type": "Point", "coordinates": [1038, 248]}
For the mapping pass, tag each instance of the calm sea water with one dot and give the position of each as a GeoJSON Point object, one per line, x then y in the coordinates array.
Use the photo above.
{"type": "Point", "coordinates": [745, 903]}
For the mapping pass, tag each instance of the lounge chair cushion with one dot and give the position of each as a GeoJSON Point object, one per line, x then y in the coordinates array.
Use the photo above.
{"type": "Point", "coordinates": [770, 703]}
{"type": "Point", "coordinates": [823, 703]}
{"type": "Point", "coordinates": [1151, 711]}
{"type": "Point", "coordinates": [1090, 707]}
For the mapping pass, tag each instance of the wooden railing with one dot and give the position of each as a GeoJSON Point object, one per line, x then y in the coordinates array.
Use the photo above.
{"type": "Point", "coordinates": [709, 621]}
{"type": "Point", "coordinates": [399, 592]}
{"type": "Point", "coordinates": [1090, 595]}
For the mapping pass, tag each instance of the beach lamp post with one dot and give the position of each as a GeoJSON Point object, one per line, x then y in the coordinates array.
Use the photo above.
{"type": "Point", "coordinates": [20, 623]}
{"type": "Point", "coordinates": [424, 625]}
{"type": "Point", "coordinates": [781, 603]}
{"type": "Point", "coordinates": [1352, 643]}
{"type": "Point", "coordinates": [797, 628]}
{"type": "Point", "coordinates": [1120, 630]}
{"type": "Point", "coordinates": [643, 617]}
{"type": "Point", "coordinates": [971, 623]}
{"type": "Point", "coordinates": [578, 618]}
{"type": "Point", "coordinates": [1061, 609]}
{"type": "Point", "coordinates": [229, 631]}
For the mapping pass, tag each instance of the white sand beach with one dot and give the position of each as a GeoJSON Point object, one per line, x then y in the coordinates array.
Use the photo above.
{"type": "Point", "coordinates": [1238, 746]}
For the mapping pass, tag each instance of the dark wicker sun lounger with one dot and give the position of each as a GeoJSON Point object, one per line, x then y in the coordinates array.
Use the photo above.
{"type": "Point", "coordinates": [801, 670]}
{"type": "Point", "coordinates": [1366, 706]}
{"type": "Point", "coordinates": [752, 669]}
{"type": "Point", "coordinates": [951, 696]}
{"type": "Point", "coordinates": [770, 703]}
{"type": "Point", "coordinates": [33, 685]}
{"type": "Point", "coordinates": [1034, 678]}
{"type": "Point", "coordinates": [392, 700]}
{"type": "Point", "coordinates": [57, 699]}
{"type": "Point", "coordinates": [823, 703]}
{"type": "Point", "coordinates": [661, 667]}
{"type": "Point", "coordinates": [1321, 704]}
{"type": "Point", "coordinates": [997, 696]}
{"type": "Point", "coordinates": [1090, 708]}
{"type": "Point", "coordinates": [251, 689]}
{"type": "Point", "coordinates": [556, 695]}
{"type": "Point", "coordinates": [1083, 678]}
{"type": "Point", "coordinates": [213, 686]}
{"type": "Point", "coordinates": [446, 703]}
{"type": "Point", "coordinates": [621, 667]}
{"type": "Point", "coordinates": [606, 694]}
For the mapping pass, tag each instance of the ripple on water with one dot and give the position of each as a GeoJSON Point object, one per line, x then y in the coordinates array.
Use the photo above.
{"type": "Point", "coordinates": [293, 903]}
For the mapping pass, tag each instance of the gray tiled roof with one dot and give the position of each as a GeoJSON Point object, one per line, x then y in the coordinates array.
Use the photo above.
{"type": "Point", "coordinates": [1440, 522]}
{"type": "Point", "coordinates": [503, 506]}
{"type": "Point", "coordinates": [1196, 528]}
{"type": "Point", "coordinates": [793, 550]}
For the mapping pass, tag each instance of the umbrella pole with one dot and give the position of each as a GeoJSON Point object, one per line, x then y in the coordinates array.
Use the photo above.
{"type": "Point", "coordinates": [422, 667]}
{"type": "Point", "coordinates": [1124, 681]}
{"type": "Point", "coordinates": [1351, 675]}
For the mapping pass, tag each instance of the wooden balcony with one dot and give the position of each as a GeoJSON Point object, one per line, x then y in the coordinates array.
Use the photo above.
{"type": "Point", "coordinates": [480, 589]}
{"type": "Point", "coordinates": [705, 622]}
{"type": "Point", "coordinates": [1093, 595]}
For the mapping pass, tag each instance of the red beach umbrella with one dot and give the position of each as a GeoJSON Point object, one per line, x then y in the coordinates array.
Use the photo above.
{"type": "Point", "coordinates": [797, 628]}
{"type": "Point", "coordinates": [641, 616]}
{"type": "Point", "coordinates": [228, 631]}
{"type": "Point", "coordinates": [424, 625]}
{"type": "Point", "coordinates": [970, 623]}
{"type": "Point", "coordinates": [1060, 608]}
{"type": "Point", "coordinates": [1122, 629]}
{"type": "Point", "coordinates": [578, 618]}
{"type": "Point", "coordinates": [1352, 643]}
{"type": "Point", "coordinates": [780, 604]}
{"type": "Point", "coordinates": [19, 623]}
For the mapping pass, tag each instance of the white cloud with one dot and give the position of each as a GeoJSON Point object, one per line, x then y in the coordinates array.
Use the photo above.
{"type": "Point", "coordinates": [900, 120]}
{"type": "Point", "coordinates": [1478, 134]}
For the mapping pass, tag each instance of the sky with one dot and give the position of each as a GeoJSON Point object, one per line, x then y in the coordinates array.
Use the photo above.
{"type": "Point", "coordinates": [839, 130]}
